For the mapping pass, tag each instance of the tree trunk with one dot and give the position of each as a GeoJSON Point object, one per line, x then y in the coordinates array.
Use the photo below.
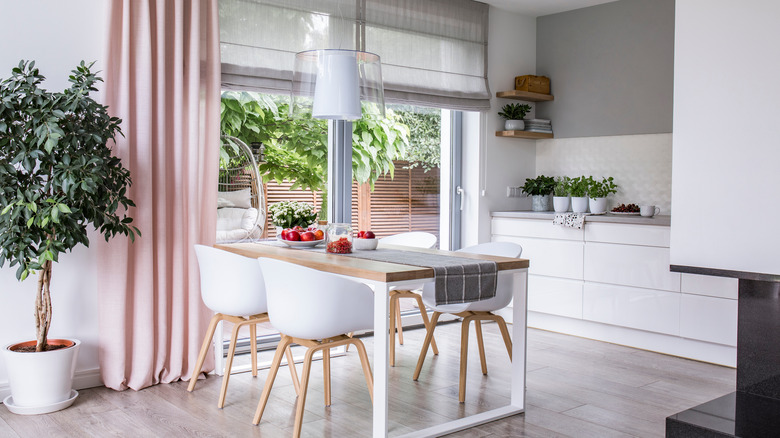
{"type": "Point", "coordinates": [43, 306]}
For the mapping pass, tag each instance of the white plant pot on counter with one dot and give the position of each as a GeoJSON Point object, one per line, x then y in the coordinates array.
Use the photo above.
{"type": "Point", "coordinates": [41, 382]}
{"type": "Point", "coordinates": [597, 205]}
{"type": "Point", "coordinates": [579, 204]}
{"type": "Point", "coordinates": [514, 125]}
{"type": "Point", "coordinates": [561, 204]}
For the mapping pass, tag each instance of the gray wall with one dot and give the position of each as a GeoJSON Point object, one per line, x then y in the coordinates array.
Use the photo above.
{"type": "Point", "coordinates": [611, 68]}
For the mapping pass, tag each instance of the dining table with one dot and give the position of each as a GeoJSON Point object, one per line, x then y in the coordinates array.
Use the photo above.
{"type": "Point", "coordinates": [382, 277]}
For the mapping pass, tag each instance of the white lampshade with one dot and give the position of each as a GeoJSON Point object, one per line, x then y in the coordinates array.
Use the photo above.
{"type": "Point", "coordinates": [337, 84]}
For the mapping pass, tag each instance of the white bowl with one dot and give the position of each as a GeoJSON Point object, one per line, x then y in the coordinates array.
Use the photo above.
{"type": "Point", "coordinates": [364, 244]}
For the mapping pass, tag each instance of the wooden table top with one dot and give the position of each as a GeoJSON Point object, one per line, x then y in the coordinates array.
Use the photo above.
{"type": "Point", "coordinates": [357, 267]}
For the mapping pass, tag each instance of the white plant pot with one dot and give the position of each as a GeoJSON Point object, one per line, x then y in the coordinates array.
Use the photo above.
{"type": "Point", "coordinates": [561, 204]}
{"type": "Point", "coordinates": [579, 204]}
{"type": "Point", "coordinates": [41, 382]}
{"type": "Point", "coordinates": [597, 205]}
{"type": "Point", "coordinates": [540, 203]}
{"type": "Point", "coordinates": [514, 125]}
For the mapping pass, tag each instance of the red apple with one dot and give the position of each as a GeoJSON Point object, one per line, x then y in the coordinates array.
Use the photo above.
{"type": "Point", "coordinates": [369, 235]}
{"type": "Point", "coordinates": [298, 228]}
{"type": "Point", "coordinates": [283, 235]}
{"type": "Point", "coordinates": [319, 235]}
{"type": "Point", "coordinates": [307, 236]}
{"type": "Point", "coordinates": [360, 234]}
{"type": "Point", "coordinates": [293, 236]}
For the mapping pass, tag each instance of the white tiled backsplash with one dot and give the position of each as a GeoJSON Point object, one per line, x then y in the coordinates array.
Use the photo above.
{"type": "Point", "coordinates": [640, 164]}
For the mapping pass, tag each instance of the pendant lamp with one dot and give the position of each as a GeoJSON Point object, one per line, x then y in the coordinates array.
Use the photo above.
{"type": "Point", "coordinates": [337, 84]}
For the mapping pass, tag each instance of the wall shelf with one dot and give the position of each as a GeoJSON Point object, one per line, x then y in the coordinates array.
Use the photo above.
{"type": "Point", "coordinates": [525, 95]}
{"type": "Point", "coordinates": [523, 134]}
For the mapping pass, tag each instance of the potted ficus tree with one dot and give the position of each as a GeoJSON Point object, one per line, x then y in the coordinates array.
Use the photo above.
{"type": "Point", "coordinates": [58, 178]}
{"type": "Point", "coordinates": [598, 192]}
{"type": "Point", "coordinates": [513, 114]}
{"type": "Point", "coordinates": [539, 189]}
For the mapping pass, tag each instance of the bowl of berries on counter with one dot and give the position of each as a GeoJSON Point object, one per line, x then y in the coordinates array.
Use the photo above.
{"type": "Point", "coordinates": [626, 209]}
{"type": "Point", "coordinates": [299, 237]}
{"type": "Point", "coordinates": [365, 241]}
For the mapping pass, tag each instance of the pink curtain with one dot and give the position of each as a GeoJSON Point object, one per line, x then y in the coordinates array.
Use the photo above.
{"type": "Point", "coordinates": [163, 81]}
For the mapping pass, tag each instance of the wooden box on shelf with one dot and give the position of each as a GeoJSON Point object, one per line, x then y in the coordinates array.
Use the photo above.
{"type": "Point", "coordinates": [533, 84]}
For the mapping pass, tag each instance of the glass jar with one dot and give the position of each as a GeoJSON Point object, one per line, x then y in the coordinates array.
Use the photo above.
{"type": "Point", "coordinates": [339, 238]}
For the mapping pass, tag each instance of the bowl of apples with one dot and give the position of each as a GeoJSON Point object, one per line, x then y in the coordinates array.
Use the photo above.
{"type": "Point", "coordinates": [299, 237]}
{"type": "Point", "coordinates": [365, 241]}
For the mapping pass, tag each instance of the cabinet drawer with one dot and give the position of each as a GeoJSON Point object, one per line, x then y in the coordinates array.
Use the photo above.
{"type": "Point", "coordinates": [555, 296]}
{"type": "Point", "coordinates": [721, 287]}
{"type": "Point", "coordinates": [627, 234]}
{"type": "Point", "coordinates": [640, 266]}
{"type": "Point", "coordinates": [708, 319]}
{"type": "Point", "coordinates": [553, 258]}
{"type": "Point", "coordinates": [534, 228]}
{"type": "Point", "coordinates": [644, 309]}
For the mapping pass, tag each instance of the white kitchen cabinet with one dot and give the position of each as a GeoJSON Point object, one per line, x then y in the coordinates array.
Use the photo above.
{"type": "Point", "coordinates": [709, 319]}
{"type": "Point", "coordinates": [611, 281]}
{"type": "Point", "coordinates": [644, 309]}
{"type": "Point", "coordinates": [556, 296]}
{"type": "Point", "coordinates": [721, 287]}
{"type": "Point", "coordinates": [630, 265]}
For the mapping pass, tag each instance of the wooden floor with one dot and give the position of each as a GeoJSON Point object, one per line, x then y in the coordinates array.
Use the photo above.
{"type": "Point", "coordinates": [576, 387]}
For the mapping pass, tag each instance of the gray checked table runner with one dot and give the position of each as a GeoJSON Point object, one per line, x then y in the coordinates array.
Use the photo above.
{"type": "Point", "coordinates": [458, 280]}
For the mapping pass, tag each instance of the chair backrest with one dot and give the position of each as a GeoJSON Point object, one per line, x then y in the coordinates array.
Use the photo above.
{"type": "Point", "coordinates": [416, 239]}
{"type": "Point", "coordinates": [310, 304]}
{"type": "Point", "coordinates": [501, 249]}
{"type": "Point", "coordinates": [229, 283]}
{"type": "Point", "coordinates": [504, 283]}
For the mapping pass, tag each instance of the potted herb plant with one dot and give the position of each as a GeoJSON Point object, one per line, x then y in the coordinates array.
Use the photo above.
{"type": "Point", "coordinates": [513, 114]}
{"type": "Point", "coordinates": [539, 189]}
{"type": "Point", "coordinates": [58, 180]}
{"type": "Point", "coordinates": [578, 189]}
{"type": "Point", "coordinates": [561, 193]}
{"type": "Point", "coordinates": [598, 192]}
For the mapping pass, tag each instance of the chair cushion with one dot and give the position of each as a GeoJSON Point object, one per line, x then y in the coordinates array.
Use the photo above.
{"type": "Point", "coordinates": [239, 198]}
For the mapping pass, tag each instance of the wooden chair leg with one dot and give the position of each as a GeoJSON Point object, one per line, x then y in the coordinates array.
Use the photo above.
{"type": "Point", "coordinates": [326, 374]}
{"type": "Point", "coordinates": [346, 347]}
{"type": "Point", "coordinates": [393, 304]}
{"type": "Point", "coordinates": [253, 347]}
{"type": "Point", "coordinates": [505, 335]}
{"type": "Point", "coordinates": [228, 364]}
{"type": "Point", "coordinates": [366, 367]}
{"type": "Point", "coordinates": [283, 346]}
{"type": "Point", "coordinates": [204, 349]}
{"type": "Point", "coordinates": [398, 326]}
{"type": "Point", "coordinates": [426, 343]}
{"type": "Point", "coordinates": [481, 344]}
{"type": "Point", "coordinates": [302, 396]}
{"type": "Point", "coordinates": [426, 321]}
{"type": "Point", "coordinates": [464, 353]}
{"type": "Point", "coordinates": [293, 371]}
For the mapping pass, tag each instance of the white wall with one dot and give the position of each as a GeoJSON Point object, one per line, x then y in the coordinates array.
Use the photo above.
{"type": "Point", "coordinates": [726, 131]}
{"type": "Point", "coordinates": [57, 35]}
{"type": "Point", "coordinates": [504, 161]}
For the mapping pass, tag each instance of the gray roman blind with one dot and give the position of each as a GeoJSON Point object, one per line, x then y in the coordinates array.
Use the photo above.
{"type": "Point", "coordinates": [434, 52]}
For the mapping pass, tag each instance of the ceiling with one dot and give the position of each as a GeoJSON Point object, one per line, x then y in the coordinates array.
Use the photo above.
{"type": "Point", "coordinates": [537, 8]}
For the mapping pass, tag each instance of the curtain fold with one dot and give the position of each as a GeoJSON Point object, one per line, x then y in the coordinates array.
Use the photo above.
{"type": "Point", "coordinates": [163, 81]}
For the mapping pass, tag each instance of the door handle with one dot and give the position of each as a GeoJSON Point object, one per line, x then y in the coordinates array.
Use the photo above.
{"type": "Point", "coordinates": [459, 190]}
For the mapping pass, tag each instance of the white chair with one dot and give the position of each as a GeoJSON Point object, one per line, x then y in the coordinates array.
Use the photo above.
{"type": "Point", "coordinates": [476, 311]}
{"type": "Point", "coordinates": [314, 309]}
{"type": "Point", "coordinates": [415, 239]}
{"type": "Point", "coordinates": [232, 286]}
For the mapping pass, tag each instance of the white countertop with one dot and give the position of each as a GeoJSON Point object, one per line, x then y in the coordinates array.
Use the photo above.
{"type": "Point", "coordinates": [663, 220]}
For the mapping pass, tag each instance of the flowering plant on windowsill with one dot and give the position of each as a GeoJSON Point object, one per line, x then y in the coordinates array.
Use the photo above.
{"type": "Point", "coordinates": [287, 214]}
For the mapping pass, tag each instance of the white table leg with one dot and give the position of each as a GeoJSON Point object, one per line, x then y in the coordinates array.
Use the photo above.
{"type": "Point", "coordinates": [519, 332]}
{"type": "Point", "coordinates": [381, 325]}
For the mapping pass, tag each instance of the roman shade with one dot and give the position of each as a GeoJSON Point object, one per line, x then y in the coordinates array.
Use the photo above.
{"type": "Point", "coordinates": [433, 52]}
